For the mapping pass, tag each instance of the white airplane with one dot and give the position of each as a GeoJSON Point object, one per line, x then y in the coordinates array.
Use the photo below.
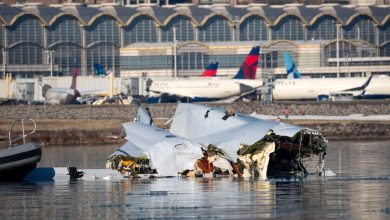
{"type": "Point", "coordinates": [55, 96]}
{"type": "Point", "coordinates": [63, 96]}
{"type": "Point", "coordinates": [313, 88]}
{"type": "Point", "coordinates": [209, 88]}
{"type": "Point", "coordinates": [347, 88]}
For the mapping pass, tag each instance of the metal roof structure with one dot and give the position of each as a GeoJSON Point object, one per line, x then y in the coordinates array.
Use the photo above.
{"type": "Point", "coordinates": [198, 14]}
{"type": "Point", "coordinates": [8, 13]}
{"type": "Point", "coordinates": [123, 14]}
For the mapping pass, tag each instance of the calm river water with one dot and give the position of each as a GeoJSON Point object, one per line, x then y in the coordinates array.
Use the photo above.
{"type": "Point", "coordinates": [361, 190]}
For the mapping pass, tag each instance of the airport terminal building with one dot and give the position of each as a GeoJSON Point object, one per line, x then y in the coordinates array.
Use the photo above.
{"type": "Point", "coordinates": [139, 40]}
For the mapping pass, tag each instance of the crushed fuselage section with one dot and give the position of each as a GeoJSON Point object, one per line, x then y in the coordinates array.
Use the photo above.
{"type": "Point", "coordinates": [239, 145]}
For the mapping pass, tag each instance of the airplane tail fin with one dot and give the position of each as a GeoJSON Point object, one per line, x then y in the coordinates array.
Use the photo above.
{"type": "Point", "coordinates": [75, 72]}
{"type": "Point", "coordinates": [99, 70]}
{"type": "Point", "coordinates": [292, 71]}
{"type": "Point", "coordinates": [148, 84]}
{"type": "Point", "coordinates": [143, 113]}
{"type": "Point", "coordinates": [45, 88]}
{"type": "Point", "coordinates": [249, 66]}
{"type": "Point", "coordinates": [211, 70]}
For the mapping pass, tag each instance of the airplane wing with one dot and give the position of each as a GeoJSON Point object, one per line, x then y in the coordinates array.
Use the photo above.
{"type": "Point", "coordinates": [360, 88]}
{"type": "Point", "coordinates": [168, 153]}
{"type": "Point", "coordinates": [245, 87]}
{"type": "Point", "coordinates": [250, 84]}
{"type": "Point", "coordinates": [355, 92]}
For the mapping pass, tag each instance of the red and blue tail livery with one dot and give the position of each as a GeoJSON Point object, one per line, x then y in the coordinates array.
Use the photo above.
{"type": "Point", "coordinates": [75, 72]}
{"type": "Point", "coordinates": [211, 70]}
{"type": "Point", "coordinates": [249, 67]}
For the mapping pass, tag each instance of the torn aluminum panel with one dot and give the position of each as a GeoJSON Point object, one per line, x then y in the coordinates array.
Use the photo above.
{"type": "Point", "coordinates": [206, 125]}
{"type": "Point", "coordinates": [228, 131]}
{"type": "Point", "coordinates": [168, 154]}
{"type": "Point", "coordinates": [236, 143]}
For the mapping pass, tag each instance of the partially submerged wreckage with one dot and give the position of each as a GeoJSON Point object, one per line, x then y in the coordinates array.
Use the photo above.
{"type": "Point", "coordinates": [206, 141]}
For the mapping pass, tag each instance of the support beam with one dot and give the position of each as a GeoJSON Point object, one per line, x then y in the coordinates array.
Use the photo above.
{"type": "Point", "coordinates": [174, 52]}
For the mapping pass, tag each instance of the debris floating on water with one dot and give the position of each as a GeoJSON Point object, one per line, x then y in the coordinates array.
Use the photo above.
{"type": "Point", "coordinates": [195, 145]}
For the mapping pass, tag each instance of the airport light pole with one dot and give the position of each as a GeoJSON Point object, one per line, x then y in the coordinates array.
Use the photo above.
{"type": "Point", "coordinates": [51, 53]}
{"type": "Point", "coordinates": [338, 50]}
{"type": "Point", "coordinates": [4, 61]}
{"type": "Point", "coordinates": [236, 20]}
{"type": "Point", "coordinates": [174, 52]}
{"type": "Point", "coordinates": [358, 42]}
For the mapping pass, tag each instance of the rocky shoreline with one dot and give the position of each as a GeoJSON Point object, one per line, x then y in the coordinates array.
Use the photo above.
{"type": "Point", "coordinates": [85, 124]}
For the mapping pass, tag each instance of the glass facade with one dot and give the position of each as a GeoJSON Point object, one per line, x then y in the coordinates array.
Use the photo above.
{"type": "Point", "coordinates": [103, 29]}
{"type": "Point", "coordinates": [25, 54]}
{"type": "Point", "coordinates": [228, 60]}
{"type": "Point", "coordinates": [185, 30]}
{"type": "Point", "coordinates": [384, 33]}
{"type": "Point", "coordinates": [25, 42]}
{"type": "Point", "coordinates": [185, 61]}
{"type": "Point", "coordinates": [217, 28]}
{"type": "Point", "coordinates": [105, 54]}
{"type": "Point", "coordinates": [103, 42]}
{"type": "Point", "coordinates": [385, 50]}
{"type": "Point", "coordinates": [192, 60]}
{"type": "Point", "coordinates": [362, 27]}
{"type": "Point", "coordinates": [347, 50]}
{"type": "Point", "coordinates": [26, 29]}
{"type": "Point", "coordinates": [253, 28]}
{"type": "Point", "coordinates": [289, 28]}
{"type": "Point", "coordinates": [29, 40]}
{"type": "Point", "coordinates": [269, 60]}
{"type": "Point", "coordinates": [66, 29]}
{"type": "Point", "coordinates": [67, 56]}
{"type": "Point", "coordinates": [141, 29]}
{"type": "Point", "coordinates": [325, 28]}
{"type": "Point", "coordinates": [64, 38]}
{"type": "Point", "coordinates": [146, 62]}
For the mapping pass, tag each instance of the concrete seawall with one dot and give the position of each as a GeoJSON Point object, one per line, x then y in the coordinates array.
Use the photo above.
{"type": "Point", "coordinates": [83, 124]}
{"type": "Point", "coordinates": [167, 110]}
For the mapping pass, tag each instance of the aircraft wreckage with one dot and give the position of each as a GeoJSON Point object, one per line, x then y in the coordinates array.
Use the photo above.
{"type": "Point", "coordinates": [209, 141]}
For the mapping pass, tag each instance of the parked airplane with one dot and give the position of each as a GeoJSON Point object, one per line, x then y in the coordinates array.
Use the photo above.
{"type": "Point", "coordinates": [211, 70]}
{"type": "Point", "coordinates": [209, 89]}
{"type": "Point", "coordinates": [296, 88]}
{"type": "Point", "coordinates": [61, 95]}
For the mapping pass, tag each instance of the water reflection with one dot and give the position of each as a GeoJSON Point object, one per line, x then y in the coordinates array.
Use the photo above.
{"type": "Point", "coordinates": [78, 156]}
{"type": "Point", "coordinates": [359, 191]}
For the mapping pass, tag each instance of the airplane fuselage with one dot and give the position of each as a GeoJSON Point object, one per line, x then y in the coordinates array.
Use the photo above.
{"type": "Point", "coordinates": [214, 88]}
{"type": "Point", "coordinates": [300, 89]}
